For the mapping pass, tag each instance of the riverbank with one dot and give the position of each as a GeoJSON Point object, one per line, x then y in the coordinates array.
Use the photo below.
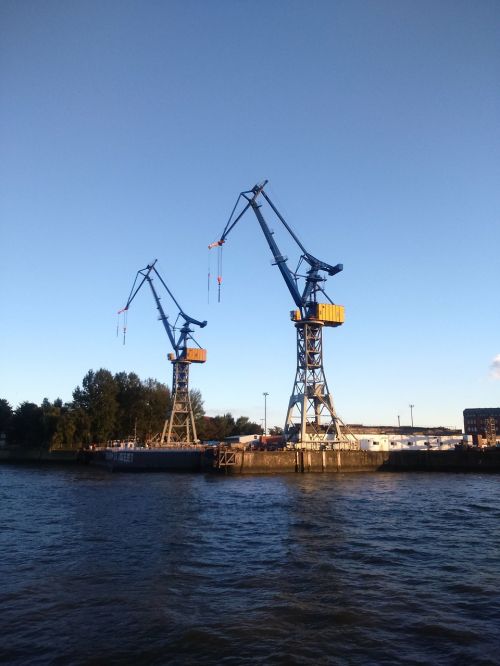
{"type": "Point", "coordinates": [38, 455]}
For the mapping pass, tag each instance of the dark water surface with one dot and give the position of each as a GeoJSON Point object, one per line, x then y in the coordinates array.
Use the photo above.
{"type": "Point", "coordinates": [299, 569]}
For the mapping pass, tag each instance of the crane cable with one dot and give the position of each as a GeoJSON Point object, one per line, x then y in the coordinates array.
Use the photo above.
{"type": "Point", "coordinates": [209, 275]}
{"type": "Point", "coordinates": [123, 311]}
{"type": "Point", "coordinates": [219, 271]}
{"type": "Point", "coordinates": [219, 267]}
{"type": "Point", "coordinates": [125, 325]}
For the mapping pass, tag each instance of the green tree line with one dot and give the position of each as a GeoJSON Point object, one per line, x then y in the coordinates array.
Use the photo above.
{"type": "Point", "coordinates": [108, 407]}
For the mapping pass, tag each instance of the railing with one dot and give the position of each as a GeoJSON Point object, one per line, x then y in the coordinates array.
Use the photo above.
{"type": "Point", "coordinates": [224, 458]}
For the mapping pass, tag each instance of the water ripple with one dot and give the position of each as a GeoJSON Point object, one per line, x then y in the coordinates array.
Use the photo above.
{"type": "Point", "coordinates": [300, 569]}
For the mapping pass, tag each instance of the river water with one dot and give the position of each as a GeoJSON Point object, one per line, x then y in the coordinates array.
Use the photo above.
{"type": "Point", "coordinates": [97, 568]}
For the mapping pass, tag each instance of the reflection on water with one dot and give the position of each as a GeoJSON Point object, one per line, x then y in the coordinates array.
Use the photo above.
{"type": "Point", "coordinates": [293, 569]}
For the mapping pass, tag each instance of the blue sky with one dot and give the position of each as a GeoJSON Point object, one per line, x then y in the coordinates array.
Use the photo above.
{"type": "Point", "coordinates": [127, 130]}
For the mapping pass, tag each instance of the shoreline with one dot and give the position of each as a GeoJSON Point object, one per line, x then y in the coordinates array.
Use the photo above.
{"type": "Point", "coordinates": [220, 460]}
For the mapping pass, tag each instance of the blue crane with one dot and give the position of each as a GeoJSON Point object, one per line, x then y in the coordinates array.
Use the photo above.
{"type": "Point", "coordinates": [311, 402]}
{"type": "Point", "coordinates": [179, 424]}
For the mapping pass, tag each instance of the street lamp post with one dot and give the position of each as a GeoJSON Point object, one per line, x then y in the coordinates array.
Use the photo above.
{"type": "Point", "coordinates": [399, 422]}
{"type": "Point", "coordinates": [265, 394]}
{"type": "Point", "coordinates": [411, 412]}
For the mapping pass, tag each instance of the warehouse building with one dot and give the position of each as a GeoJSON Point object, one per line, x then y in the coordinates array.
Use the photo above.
{"type": "Point", "coordinates": [483, 424]}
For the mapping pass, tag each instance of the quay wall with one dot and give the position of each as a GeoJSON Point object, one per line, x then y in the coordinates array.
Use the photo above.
{"type": "Point", "coordinates": [276, 462]}
{"type": "Point", "coordinates": [279, 462]}
{"type": "Point", "coordinates": [454, 460]}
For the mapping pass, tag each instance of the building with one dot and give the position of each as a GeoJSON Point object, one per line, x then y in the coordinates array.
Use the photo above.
{"type": "Point", "coordinates": [377, 441]}
{"type": "Point", "coordinates": [483, 423]}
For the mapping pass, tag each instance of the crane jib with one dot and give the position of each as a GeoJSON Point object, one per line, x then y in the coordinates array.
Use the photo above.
{"type": "Point", "coordinates": [178, 342]}
{"type": "Point", "coordinates": [309, 294]}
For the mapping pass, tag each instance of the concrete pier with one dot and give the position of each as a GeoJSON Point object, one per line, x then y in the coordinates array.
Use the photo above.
{"type": "Point", "coordinates": [280, 462]}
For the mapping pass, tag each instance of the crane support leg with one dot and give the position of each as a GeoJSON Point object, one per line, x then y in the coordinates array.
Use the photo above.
{"type": "Point", "coordinates": [311, 419]}
{"type": "Point", "coordinates": [179, 426]}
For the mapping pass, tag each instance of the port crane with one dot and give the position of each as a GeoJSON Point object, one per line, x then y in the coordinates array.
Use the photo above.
{"type": "Point", "coordinates": [311, 419]}
{"type": "Point", "coordinates": [179, 425]}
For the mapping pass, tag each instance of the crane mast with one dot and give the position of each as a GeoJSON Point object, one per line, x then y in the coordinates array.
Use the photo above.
{"type": "Point", "coordinates": [311, 419]}
{"type": "Point", "coordinates": [179, 424]}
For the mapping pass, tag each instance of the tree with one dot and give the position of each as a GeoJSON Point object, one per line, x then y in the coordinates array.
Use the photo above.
{"type": "Point", "coordinates": [6, 414]}
{"type": "Point", "coordinates": [244, 426]}
{"type": "Point", "coordinates": [64, 436]}
{"type": "Point", "coordinates": [197, 407]}
{"type": "Point", "coordinates": [73, 428]}
{"type": "Point", "coordinates": [98, 398]}
{"type": "Point", "coordinates": [104, 407]}
{"type": "Point", "coordinates": [158, 403]}
{"type": "Point", "coordinates": [216, 427]}
{"type": "Point", "coordinates": [131, 397]}
{"type": "Point", "coordinates": [220, 427]}
{"type": "Point", "coordinates": [28, 426]}
{"type": "Point", "coordinates": [51, 414]}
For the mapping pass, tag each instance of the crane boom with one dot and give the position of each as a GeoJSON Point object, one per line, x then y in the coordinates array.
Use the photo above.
{"type": "Point", "coordinates": [307, 299]}
{"type": "Point", "coordinates": [279, 259]}
{"type": "Point", "coordinates": [179, 344]}
{"type": "Point", "coordinates": [163, 316]}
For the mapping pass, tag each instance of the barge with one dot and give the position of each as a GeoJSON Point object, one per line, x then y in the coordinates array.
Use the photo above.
{"type": "Point", "coordinates": [140, 459]}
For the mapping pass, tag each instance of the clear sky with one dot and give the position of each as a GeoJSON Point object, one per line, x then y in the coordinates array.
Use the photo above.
{"type": "Point", "coordinates": [127, 130]}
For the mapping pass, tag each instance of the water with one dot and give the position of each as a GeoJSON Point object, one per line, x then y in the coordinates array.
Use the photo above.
{"type": "Point", "coordinates": [299, 569]}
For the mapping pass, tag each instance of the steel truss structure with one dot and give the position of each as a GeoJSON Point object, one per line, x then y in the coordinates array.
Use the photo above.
{"type": "Point", "coordinates": [311, 418]}
{"type": "Point", "coordinates": [180, 425]}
